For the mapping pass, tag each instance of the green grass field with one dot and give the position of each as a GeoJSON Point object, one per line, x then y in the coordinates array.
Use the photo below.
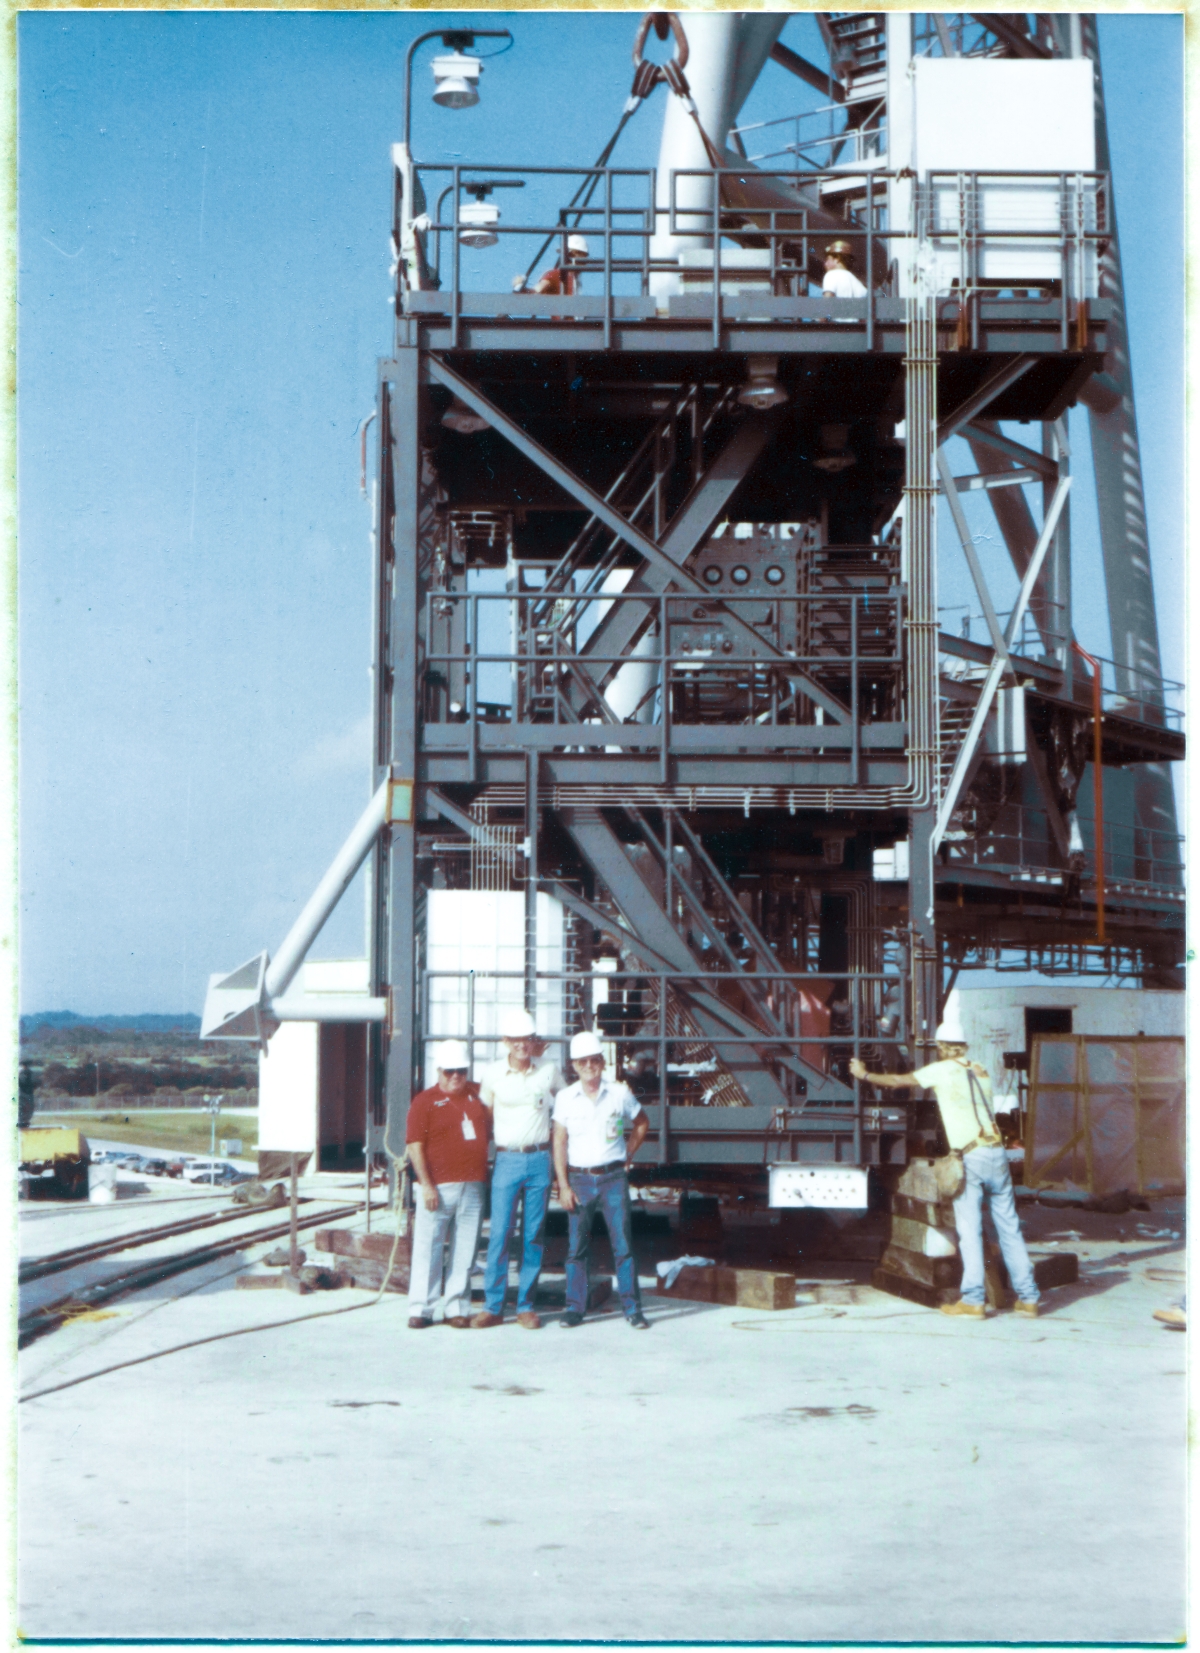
{"type": "Point", "coordinates": [181, 1133]}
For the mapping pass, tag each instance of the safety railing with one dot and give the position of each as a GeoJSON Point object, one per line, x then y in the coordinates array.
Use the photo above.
{"type": "Point", "coordinates": [834, 135]}
{"type": "Point", "coordinates": [845, 644]}
{"type": "Point", "coordinates": [1036, 234]}
{"type": "Point", "coordinates": [995, 238]}
{"type": "Point", "coordinates": [633, 1011]}
{"type": "Point", "coordinates": [1133, 691]}
{"type": "Point", "coordinates": [1020, 838]}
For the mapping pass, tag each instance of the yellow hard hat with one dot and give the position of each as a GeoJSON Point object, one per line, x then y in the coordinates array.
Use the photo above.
{"type": "Point", "coordinates": [839, 249]}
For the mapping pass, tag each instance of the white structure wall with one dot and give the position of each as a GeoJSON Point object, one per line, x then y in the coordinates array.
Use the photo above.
{"type": "Point", "coordinates": [993, 1018]}
{"type": "Point", "coordinates": [288, 1079]}
{"type": "Point", "coordinates": [482, 934]}
{"type": "Point", "coordinates": [289, 1070]}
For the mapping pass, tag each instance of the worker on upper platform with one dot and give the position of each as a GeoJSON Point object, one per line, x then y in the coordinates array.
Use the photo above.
{"type": "Point", "coordinates": [840, 280]}
{"type": "Point", "coordinates": [564, 277]}
{"type": "Point", "coordinates": [964, 1098]}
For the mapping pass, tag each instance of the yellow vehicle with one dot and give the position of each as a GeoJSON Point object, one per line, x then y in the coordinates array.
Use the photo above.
{"type": "Point", "coordinates": [55, 1159]}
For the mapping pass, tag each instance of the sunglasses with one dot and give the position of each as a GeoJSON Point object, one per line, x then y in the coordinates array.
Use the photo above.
{"type": "Point", "coordinates": [450, 1072]}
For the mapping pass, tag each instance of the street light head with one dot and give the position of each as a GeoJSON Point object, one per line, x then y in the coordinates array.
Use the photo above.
{"type": "Point", "coordinates": [456, 80]}
{"type": "Point", "coordinates": [478, 220]}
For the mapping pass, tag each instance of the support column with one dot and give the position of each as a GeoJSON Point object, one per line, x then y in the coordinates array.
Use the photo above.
{"type": "Point", "coordinates": [1058, 561]}
{"type": "Point", "coordinates": [533, 811]}
{"type": "Point", "coordinates": [1120, 497]}
{"type": "Point", "coordinates": [401, 528]}
{"type": "Point", "coordinates": [924, 962]}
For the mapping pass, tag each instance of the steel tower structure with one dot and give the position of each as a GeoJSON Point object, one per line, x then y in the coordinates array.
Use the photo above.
{"type": "Point", "coordinates": [657, 627]}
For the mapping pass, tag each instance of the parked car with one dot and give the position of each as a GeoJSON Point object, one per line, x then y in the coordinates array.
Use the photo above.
{"type": "Point", "coordinates": [132, 1162]}
{"type": "Point", "coordinates": [232, 1175]}
{"type": "Point", "coordinates": [162, 1168]}
{"type": "Point", "coordinates": [208, 1170]}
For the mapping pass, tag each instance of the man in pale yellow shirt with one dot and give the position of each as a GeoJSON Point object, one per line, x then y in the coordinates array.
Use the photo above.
{"type": "Point", "coordinates": [520, 1090]}
{"type": "Point", "coordinates": [964, 1097]}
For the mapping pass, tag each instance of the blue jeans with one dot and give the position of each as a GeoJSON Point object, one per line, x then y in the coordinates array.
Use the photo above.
{"type": "Point", "coordinates": [987, 1171]}
{"type": "Point", "coordinates": [523, 1179]}
{"type": "Point", "coordinates": [610, 1191]}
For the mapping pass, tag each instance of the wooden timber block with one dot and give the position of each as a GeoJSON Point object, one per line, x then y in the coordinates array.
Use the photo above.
{"type": "Point", "coordinates": [898, 1285]}
{"type": "Point", "coordinates": [919, 1181]}
{"type": "Point", "coordinates": [346, 1242]}
{"type": "Point", "coordinates": [942, 1275]}
{"type": "Point", "coordinates": [935, 1214]}
{"type": "Point", "coordinates": [935, 1272]}
{"type": "Point", "coordinates": [367, 1273]}
{"type": "Point", "coordinates": [1058, 1268]}
{"type": "Point", "coordinates": [258, 1282]}
{"type": "Point", "coordinates": [1061, 1268]}
{"type": "Point", "coordinates": [743, 1288]}
{"type": "Point", "coordinates": [922, 1237]}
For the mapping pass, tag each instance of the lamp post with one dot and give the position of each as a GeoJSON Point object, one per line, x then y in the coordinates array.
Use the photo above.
{"type": "Point", "coordinates": [456, 90]}
{"type": "Point", "coordinates": [213, 1104]}
{"type": "Point", "coordinates": [454, 40]}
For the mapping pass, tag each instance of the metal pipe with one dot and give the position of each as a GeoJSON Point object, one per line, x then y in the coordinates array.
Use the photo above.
{"type": "Point", "coordinates": [327, 1007]}
{"type": "Point", "coordinates": [327, 894]}
{"type": "Point", "coordinates": [1097, 781]}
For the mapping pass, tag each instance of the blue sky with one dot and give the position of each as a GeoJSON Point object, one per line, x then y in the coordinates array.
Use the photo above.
{"type": "Point", "coordinates": [204, 292]}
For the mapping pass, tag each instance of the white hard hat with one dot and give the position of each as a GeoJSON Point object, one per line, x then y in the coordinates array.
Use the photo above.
{"type": "Point", "coordinates": [451, 1053]}
{"type": "Point", "coordinates": [517, 1024]}
{"type": "Point", "coordinates": [586, 1044]}
{"type": "Point", "coordinates": [950, 1028]}
{"type": "Point", "coordinates": [577, 244]}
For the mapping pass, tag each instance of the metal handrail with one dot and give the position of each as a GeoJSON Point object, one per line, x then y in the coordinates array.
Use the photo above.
{"type": "Point", "coordinates": [627, 230]}
{"type": "Point", "coordinates": [855, 611]}
{"type": "Point", "coordinates": [883, 986]}
{"type": "Point", "coordinates": [1021, 838]}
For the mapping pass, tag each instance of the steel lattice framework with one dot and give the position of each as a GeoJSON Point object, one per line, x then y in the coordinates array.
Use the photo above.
{"type": "Point", "coordinates": [657, 625]}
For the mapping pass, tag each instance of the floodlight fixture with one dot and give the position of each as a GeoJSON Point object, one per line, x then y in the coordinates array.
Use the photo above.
{"type": "Point", "coordinates": [456, 76]}
{"type": "Point", "coordinates": [762, 389]}
{"type": "Point", "coordinates": [456, 80]}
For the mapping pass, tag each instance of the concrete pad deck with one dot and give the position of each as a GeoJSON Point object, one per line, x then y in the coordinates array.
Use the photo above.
{"type": "Point", "coordinates": [857, 1468]}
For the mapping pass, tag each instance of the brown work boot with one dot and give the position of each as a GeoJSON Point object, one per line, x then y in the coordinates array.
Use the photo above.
{"type": "Point", "coordinates": [418, 1322]}
{"type": "Point", "coordinates": [970, 1311]}
{"type": "Point", "coordinates": [486, 1318]}
{"type": "Point", "coordinates": [529, 1320]}
{"type": "Point", "coordinates": [1026, 1307]}
{"type": "Point", "coordinates": [458, 1321]}
{"type": "Point", "coordinates": [1176, 1318]}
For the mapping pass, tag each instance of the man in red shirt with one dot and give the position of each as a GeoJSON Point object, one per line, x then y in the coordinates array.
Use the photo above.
{"type": "Point", "coordinates": [447, 1134]}
{"type": "Point", "coordinates": [564, 277]}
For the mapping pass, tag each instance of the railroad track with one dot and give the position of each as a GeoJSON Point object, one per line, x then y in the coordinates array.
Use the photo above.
{"type": "Point", "coordinates": [38, 1322]}
{"type": "Point", "coordinates": [36, 1268]}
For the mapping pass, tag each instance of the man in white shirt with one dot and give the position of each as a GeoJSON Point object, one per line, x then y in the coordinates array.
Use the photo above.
{"type": "Point", "coordinates": [520, 1090]}
{"type": "Point", "coordinates": [964, 1095]}
{"type": "Point", "coordinates": [599, 1125]}
{"type": "Point", "coordinates": [840, 280]}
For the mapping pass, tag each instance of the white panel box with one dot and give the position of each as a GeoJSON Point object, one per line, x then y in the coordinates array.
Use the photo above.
{"type": "Point", "coordinates": [833, 1187]}
{"type": "Point", "coordinates": [1006, 118]}
{"type": "Point", "coordinates": [288, 1073]}
{"type": "Point", "coordinates": [977, 114]}
{"type": "Point", "coordinates": [475, 956]}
